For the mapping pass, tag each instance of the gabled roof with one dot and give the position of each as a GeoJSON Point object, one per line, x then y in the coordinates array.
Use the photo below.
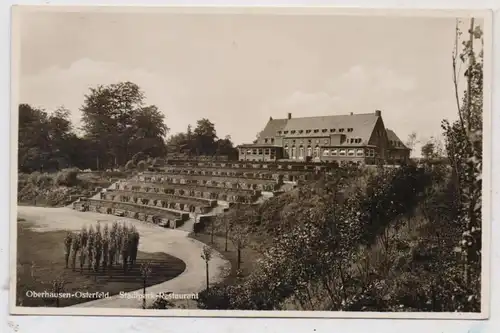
{"type": "Point", "coordinates": [393, 138]}
{"type": "Point", "coordinates": [362, 126]}
{"type": "Point", "coordinates": [272, 127]}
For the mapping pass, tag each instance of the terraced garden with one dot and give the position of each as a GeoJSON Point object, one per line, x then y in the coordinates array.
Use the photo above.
{"type": "Point", "coordinates": [183, 190]}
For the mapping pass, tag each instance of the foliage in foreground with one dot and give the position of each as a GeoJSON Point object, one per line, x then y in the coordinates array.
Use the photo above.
{"type": "Point", "coordinates": [100, 249]}
{"type": "Point", "coordinates": [388, 246]}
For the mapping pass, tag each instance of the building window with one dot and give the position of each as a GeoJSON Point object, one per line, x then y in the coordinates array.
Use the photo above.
{"type": "Point", "coordinates": [309, 151]}
{"type": "Point", "coordinates": [272, 140]}
{"type": "Point", "coordinates": [293, 141]}
{"type": "Point", "coordinates": [359, 152]}
{"type": "Point", "coordinates": [326, 141]}
{"type": "Point", "coordinates": [334, 152]}
{"type": "Point", "coordinates": [324, 130]}
{"type": "Point", "coordinates": [326, 152]}
{"type": "Point", "coordinates": [341, 129]}
{"type": "Point", "coordinates": [308, 131]}
{"type": "Point", "coordinates": [266, 151]}
{"type": "Point", "coordinates": [316, 152]}
{"type": "Point", "coordinates": [301, 131]}
{"type": "Point", "coordinates": [350, 152]}
{"type": "Point", "coordinates": [316, 130]}
{"type": "Point", "coordinates": [332, 130]}
{"type": "Point", "coordinates": [279, 132]}
{"type": "Point", "coordinates": [260, 151]}
{"type": "Point", "coordinates": [293, 152]}
{"type": "Point", "coordinates": [301, 152]}
{"type": "Point", "coordinates": [349, 130]}
{"type": "Point", "coordinates": [265, 140]}
{"type": "Point", "coordinates": [342, 152]}
{"type": "Point", "coordinates": [254, 151]}
{"type": "Point", "coordinates": [285, 132]}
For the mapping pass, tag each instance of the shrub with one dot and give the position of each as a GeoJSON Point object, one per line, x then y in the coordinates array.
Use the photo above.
{"type": "Point", "coordinates": [141, 166]}
{"type": "Point", "coordinates": [130, 165]}
{"type": "Point", "coordinates": [67, 177]}
{"type": "Point", "coordinates": [140, 156]}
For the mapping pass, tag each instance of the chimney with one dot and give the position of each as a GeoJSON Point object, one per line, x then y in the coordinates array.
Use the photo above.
{"type": "Point", "coordinates": [289, 115]}
{"type": "Point", "coordinates": [352, 113]}
{"type": "Point", "coordinates": [378, 113]}
{"type": "Point", "coordinates": [270, 118]}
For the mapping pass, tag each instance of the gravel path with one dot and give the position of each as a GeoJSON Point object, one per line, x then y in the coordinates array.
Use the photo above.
{"type": "Point", "coordinates": [153, 239]}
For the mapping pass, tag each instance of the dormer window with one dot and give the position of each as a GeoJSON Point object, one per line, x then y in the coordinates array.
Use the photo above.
{"type": "Point", "coordinates": [308, 131]}
{"type": "Point", "coordinates": [349, 130]}
{"type": "Point", "coordinates": [285, 132]}
{"type": "Point", "coordinates": [332, 130]}
{"type": "Point", "coordinates": [279, 132]}
{"type": "Point", "coordinates": [301, 131]}
{"type": "Point", "coordinates": [316, 130]}
{"type": "Point", "coordinates": [324, 130]}
{"type": "Point", "coordinates": [341, 129]}
{"type": "Point", "coordinates": [292, 132]}
{"type": "Point", "coordinates": [265, 140]}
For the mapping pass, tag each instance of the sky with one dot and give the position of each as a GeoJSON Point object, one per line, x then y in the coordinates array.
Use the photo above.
{"type": "Point", "coordinates": [238, 70]}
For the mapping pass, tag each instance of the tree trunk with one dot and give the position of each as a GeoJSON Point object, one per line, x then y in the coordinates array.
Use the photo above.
{"type": "Point", "coordinates": [208, 284]}
{"type": "Point", "coordinates": [212, 232]}
{"type": "Point", "coordinates": [239, 258]}
{"type": "Point", "coordinates": [225, 245]}
{"type": "Point", "coordinates": [144, 293]}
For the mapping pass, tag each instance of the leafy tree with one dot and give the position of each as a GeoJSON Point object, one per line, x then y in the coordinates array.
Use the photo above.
{"type": "Point", "coordinates": [205, 137]}
{"type": "Point", "coordinates": [119, 124]}
{"type": "Point", "coordinates": [206, 255]}
{"type": "Point", "coordinates": [428, 150]}
{"type": "Point", "coordinates": [464, 150]}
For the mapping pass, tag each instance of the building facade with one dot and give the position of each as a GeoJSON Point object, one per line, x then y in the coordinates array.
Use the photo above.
{"type": "Point", "coordinates": [359, 138]}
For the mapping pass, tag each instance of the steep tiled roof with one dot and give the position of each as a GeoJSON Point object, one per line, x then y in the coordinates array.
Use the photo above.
{"type": "Point", "coordinates": [272, 127]}
{"type": "Point", "coordinates": [394, 140]}
{"type": "Point", "coordinates": [362, 126]}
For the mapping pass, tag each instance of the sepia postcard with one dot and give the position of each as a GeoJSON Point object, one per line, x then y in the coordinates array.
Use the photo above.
{"type": "Point", "coordinates": [257, 162]}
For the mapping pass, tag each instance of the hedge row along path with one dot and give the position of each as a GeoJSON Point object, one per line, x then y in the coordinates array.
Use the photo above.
{"type": "Point", "coordinates": [153, 239]}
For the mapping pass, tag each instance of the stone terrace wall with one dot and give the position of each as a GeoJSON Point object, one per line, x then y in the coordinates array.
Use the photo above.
{"type": "Point", "coordinates": [207, 192]}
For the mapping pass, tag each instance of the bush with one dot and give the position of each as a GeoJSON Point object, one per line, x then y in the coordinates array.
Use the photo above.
{"type": "Point", "coordinates": [141, 166]}
{"type": "Point", "coordinates": [130, 165]}
{"type": "Point", "coordinates": [67, 177]}
{"type": "Point", "coordinates": [140, 156]}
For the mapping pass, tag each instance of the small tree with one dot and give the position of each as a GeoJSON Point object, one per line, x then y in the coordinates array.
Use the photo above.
{"type": "Point", "coordinates": [206, 254]}
{"type": "Point", "coordinates": [75, 247]}
{"type": "Point", "coordinates": [224, 224]}
{"type": "Point", "coordinates": [130, 165]}
{"type": "Point", "coordinates": [58, 287]}
{"type": "Point", "coordinates": [145, 273]}
{"type": "Point", "coordinates": [141, 166]}
{"type": "Point", "coordinates": [428, 151]}
{"type": "Point", "coordinates": [67, 247]}
{"type": "Point", "coordinates": [239, 238]}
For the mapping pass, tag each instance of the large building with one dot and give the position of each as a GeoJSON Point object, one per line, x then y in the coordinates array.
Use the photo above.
{"type": "Point", "coordinates": [360, 138]}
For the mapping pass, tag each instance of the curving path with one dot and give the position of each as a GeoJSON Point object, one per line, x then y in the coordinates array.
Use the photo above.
{"type": "Point", "coordinates": [153, 239]}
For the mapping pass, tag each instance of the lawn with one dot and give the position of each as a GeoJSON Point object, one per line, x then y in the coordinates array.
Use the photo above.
{"type": "Point", "coordinates": [248, 255]}
{"type": "Point", "coordinates": [40, 260]}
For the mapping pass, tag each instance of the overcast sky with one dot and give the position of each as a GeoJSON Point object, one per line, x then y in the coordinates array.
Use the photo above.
{"type": "Point", "coordinates": [238, 70]}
